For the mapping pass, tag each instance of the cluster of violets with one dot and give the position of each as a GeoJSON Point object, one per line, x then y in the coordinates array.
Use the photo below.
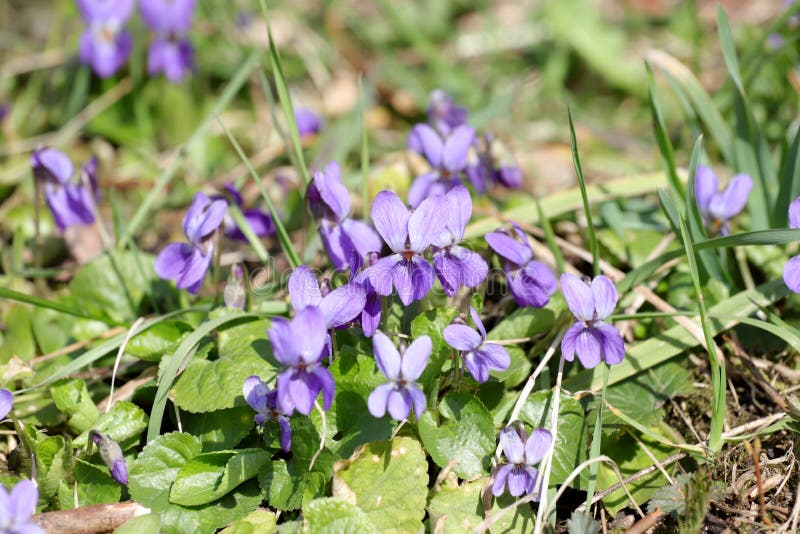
{"type": "Point", "coordinates": [105, 44]}
{"type": "Point", "coordinates": [456, 154]}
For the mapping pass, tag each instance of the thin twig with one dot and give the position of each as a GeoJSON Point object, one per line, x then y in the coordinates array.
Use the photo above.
{"type": "Point", "coordinates": [634, 477]}
{"type": "Point", "coordinates": [526, 390]}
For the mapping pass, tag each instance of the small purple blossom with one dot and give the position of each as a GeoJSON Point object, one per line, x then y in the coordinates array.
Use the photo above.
{"type": "Point", "coordinates": [171, 51]}
{"type": "Point", "coordinates": [308, 122]}
{"type": "Point", "coordinates": [339, 307]}
{"type": "Point", "coordinates": [112, 456]}
{"type": "Point", "coordinates": [522, 453]}
{"type": "Point", "coordinates": [342, 235]}
{"type": "Point", "coordinates": [719, 207]}
{"type": "Point", "coordinates": [531, 282]}
{"type": "Point", "coordinates": [401, 392]}
{"type": "Point", "coordinates": [589, 336]}
{"type": "Point", "coordinates": [408, 235]}
{"type": "Point", "coordinates": [443, 113]}
{"type": "Point", "coordinates": [791, 270]}
{"type": "Point", "coordinates": [446, 156]}
{"type": "Point", "coordinates": [373, 307]}
{"type": "Point", "coordinates": [70, 203]}
{"type": "Point", "coordinates": [187, 263]}
{"type": "Point", "coordinates": [259, 221]}
{"type": "Point", "coordinates": [17, 508]}
{"type": "Point", "coordinates": [455, 265]}
{"type": "Point", "coordinates": [489, 160]}
{"type": "Point", "coordinates": [265, 402]}
{"type": "Point", "coordinates": [299, 344]}
{"type": "Point", "coordinates": [478, 354]}
{"type": "Point", "coordinates": [105, 44]}
{"type": "Point", "coordinates": [6, 403]}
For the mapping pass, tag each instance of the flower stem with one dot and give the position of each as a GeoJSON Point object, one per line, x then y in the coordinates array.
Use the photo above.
{"type": "Point", "coordinates": [596, 441]}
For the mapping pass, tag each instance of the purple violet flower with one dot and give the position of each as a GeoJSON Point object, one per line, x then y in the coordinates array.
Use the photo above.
{"type": "Point", "coordinates": [455, 265]}
{"type": "Point", "coordinates": [408, 235]}
{"type": "Point", "coordinates": [401, 392]}
{"type": "Point", "coordinates": [187, 263]}
{"type": "Point", "coordinates": [719, 207]}
{"type": "Point", "coordinates": [299, 344]}
{"type": "Point", "coordinates": [490, 160]}
{"type": "Point", "coordinates": [70, 203]}
{"type": "Point", "coordinates": [443, 113]}
{"type": "Point", "coordinates": [341, 235]}
{"type": "Point", "coordinates": [259, 221]}
{"type": "Point", "coordinates": [308, 122]}
{"type": "Point", "coordinates": [447, 158]}
{"type": "Point", "coordinates": [171, 52]}
{"type": "Point", "coordinates": [592, 339]}
{"type": "Point", "coordinates": [265, 402]}
{"type": "Point", "coordinates": [791, 270]}
{"type": "Point", "coordinates": [17, 508]}
{"type": "Point", "coordinates": [373, 307]}
{"type": "Point", "coordinates": [479, 355]}
{"type": "Point", "coordinates": [339, 307]}
{"type": "Point", "coordinates": [6, 403]}
{"type": "Point", "coordinates": [105, 45]}
{"type": "Point", "coordinates": [523, 453]}
{"type": "Point", "coordinates": [531, 282]}
{"type": "Point", "coordinates": [112, 456]}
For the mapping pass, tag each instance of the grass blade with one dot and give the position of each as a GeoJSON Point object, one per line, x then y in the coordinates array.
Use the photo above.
{"type": "Point", "coordinates": [280, 230]}
{"type": "Point", "coordinates": [157, 191]}
{"type": "Point", "coordinates": [701, 102]}
{"type": "Point", "coordinates": [761, 237]}
{"type": "Point", "coordinates": [718, 382]}
{"type": "Point", "coordinates": [576, 159]}
{"type": "Point", "coordinates": [10, 294]}
{"type": "Point", "coordinates": [285, 98]}
{"type": "Point", "coordinates": [255, 242]}
{"type": "Point", "coordinates": [362, 107]}
{"type": "Point", "coordinates": [173, 363]}
{"type": "Point", "coordinates": [729, 49]}
{"type": "Point", "coordinates": [664, 143]}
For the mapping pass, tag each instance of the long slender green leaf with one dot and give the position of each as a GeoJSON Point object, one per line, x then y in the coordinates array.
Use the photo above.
{"type": "Point", "coordinates": [789, 187]}
{"type": "Point", "coordinates": [567, 201]}
{"type": "Point", "coordinates": [644, 271]}
{"type": "Point", "coordinates": [702, 103]}
{"type": "Point", "coordinates": [280, 229]}
{"type": "Point", "coordinates": [157, 191]}
{"type": "Point", "coordinates": [762, 237]}
{"type": "Point", "coordinates": [10, 294]}
{"type": "Point", "coordinates": [285, 98]}
{"type": "Point", "coordinates": [173, 363]}
{"type": "Point", "coordinates": [670, 210]}
{"type": "Point", "coordinates": [238, 217]}
{"type": "Point", "coordinates": [362, 106]}
{"type": "Point", "coordinates": [664, 143]}
{"type": "Point", "coordinates": [718, 383]}
{"type": "Point", "coordinates": [576, 160]}
{"type": "Point", "coordinates": [550, 237]}
{"type": "Point", "coordinates": [729, 49]}
{"type": "Point", "coordinates": [106, 347]}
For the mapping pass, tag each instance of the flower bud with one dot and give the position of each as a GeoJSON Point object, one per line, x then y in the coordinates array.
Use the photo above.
{"type": "Point", "coordinates": [111, 453]}
{"type": "Point", "coordinates": [235, 294]}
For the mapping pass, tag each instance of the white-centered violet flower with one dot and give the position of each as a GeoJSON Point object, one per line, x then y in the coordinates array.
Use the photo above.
{"type": "Point", "coordinates": [522, 453]}
{"type": "Point", "coordinates": [401, 392]}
